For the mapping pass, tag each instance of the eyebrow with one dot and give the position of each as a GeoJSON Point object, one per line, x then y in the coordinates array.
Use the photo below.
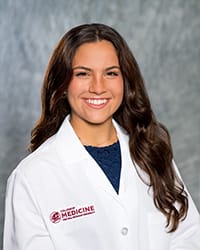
{"type": "Point", "coordinates": [89, 69]}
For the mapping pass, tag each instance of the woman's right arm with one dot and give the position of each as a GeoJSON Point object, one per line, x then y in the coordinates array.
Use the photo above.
{"type": "Point", "coordinates": [24, 228]}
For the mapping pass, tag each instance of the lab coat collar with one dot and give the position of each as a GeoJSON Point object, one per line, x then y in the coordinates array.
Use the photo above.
{"type": "Point", "coordinates": [67, 142]}
{"type": "Point", "coordinates": [68, 145]}
{"type": "Point", "coordinates": [72, 153]}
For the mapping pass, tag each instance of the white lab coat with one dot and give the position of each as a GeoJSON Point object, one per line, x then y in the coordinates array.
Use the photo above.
{"type": "Point", "coordinates": [59, 198]}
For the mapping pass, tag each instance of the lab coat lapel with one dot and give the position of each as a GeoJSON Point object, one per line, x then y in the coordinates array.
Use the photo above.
{"type": "Point", "coordinates": [100, 180]}
{"type": "Point", "coordinates": [71, 151]}
{"type": "Point", "coordinates": [68, 145]}
{"type": "Point", "coordinates": [129, 186]}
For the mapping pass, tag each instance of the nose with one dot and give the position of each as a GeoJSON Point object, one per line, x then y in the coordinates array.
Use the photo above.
{"type": "Point", "coordinates": [97, 85]}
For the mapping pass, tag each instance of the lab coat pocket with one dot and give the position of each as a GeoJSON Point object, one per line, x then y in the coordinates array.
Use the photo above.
{"type": "Point", "coordinates": [159, 238]}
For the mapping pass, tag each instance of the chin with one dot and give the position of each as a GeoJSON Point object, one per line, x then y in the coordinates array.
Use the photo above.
{"type": "Point", "coordinates": [97, 121]}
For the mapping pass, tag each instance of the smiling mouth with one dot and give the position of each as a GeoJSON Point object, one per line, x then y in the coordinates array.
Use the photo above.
{"type": "Point", "coordinates": [96, 101]}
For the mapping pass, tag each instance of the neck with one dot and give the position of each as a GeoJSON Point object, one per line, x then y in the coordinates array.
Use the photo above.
{"type": "Point", "coordinates": [98, 135]}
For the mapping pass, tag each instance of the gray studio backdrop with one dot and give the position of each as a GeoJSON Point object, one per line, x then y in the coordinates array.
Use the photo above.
{"type": "Point", "coordinates": [164, 36]}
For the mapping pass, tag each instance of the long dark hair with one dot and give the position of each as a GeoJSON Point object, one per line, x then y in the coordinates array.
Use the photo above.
{"type": "Point", "coordinates": [149, 142]}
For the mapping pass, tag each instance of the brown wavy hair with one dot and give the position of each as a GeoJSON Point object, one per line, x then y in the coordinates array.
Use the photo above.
{"type": "Point", "coordinates": [149, 142]}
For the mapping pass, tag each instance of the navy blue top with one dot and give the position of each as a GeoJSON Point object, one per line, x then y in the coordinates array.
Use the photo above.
{"type": "Point", "coordinates": [109, 159]}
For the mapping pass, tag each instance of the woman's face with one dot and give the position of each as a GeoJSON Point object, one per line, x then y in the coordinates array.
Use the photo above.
{"type": "Point", "coordinates": [96, 88]}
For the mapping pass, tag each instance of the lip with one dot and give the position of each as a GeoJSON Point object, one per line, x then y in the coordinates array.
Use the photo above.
{"type": "Point", "coordinates": [96, 103]}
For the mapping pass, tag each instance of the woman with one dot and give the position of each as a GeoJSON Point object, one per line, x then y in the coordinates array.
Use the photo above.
{"type": "Point", "coordinates": [101, 173]}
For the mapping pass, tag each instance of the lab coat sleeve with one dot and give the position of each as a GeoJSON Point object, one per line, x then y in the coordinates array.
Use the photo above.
{"type": "Point", "coordinates": [187, 236]}
{"type": "Point", "coordinates": [24, 228]}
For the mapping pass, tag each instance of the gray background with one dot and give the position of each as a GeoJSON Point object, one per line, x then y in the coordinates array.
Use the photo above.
{"type": "Point", "coordinates": [165, 38]}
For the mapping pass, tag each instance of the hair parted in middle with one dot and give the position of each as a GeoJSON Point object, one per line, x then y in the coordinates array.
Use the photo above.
{"type": "Point", "coordinates": [149, 142]}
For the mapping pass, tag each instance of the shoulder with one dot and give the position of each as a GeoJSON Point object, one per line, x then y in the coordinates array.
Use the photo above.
{"type": "Point", "coordinates": [37, 162]}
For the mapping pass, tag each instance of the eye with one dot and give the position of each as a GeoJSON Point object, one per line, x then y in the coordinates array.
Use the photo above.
{"type": "Point", "coordinates": [112, 74]}
{"type": "Point", "coordinates": [81, 74]}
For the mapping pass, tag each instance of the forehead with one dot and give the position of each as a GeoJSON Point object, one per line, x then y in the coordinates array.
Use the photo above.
{"type": "Point", "coordinates": [96, 53]}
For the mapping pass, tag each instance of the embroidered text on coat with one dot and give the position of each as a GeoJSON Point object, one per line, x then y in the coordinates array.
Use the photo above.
{"type": "Point", "coordinates": [71, 213]}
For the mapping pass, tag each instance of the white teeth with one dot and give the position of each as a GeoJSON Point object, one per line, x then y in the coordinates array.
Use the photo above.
{"type": "Point", "coordinates": [96, 101]}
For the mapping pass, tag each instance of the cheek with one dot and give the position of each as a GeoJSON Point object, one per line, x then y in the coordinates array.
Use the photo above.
{"type": "Point", "coordinates": [118, 89]}
{"type": "Point", "coordinates": [71, 92]}
{"type": "Point", "coordinates": [72, 86]}
{"type": "Point", "coordinates": [74, 89]}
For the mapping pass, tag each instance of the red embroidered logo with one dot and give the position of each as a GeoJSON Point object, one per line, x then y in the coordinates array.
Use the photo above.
{"type": "Point", "coordinates": [55, 217]}
{"type": "Point", "coordinates": [71, 213]}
